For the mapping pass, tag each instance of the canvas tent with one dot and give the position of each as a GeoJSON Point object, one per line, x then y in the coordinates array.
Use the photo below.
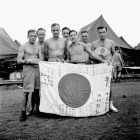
{"type": "Point", "coordinates": [93, 34]}
{"type": "Point", "coordinates": [18, 43]}
{"type": "Point", "coordinates": [8, 48]}
{"type": "Point", "coordinates": [137, 47]}
{"type": "Point", "coordinates": [126, 42]}
{"type": "Point", "coordinates": [8, 55]}
{"type": "Point", "coordinates": [130, 56]}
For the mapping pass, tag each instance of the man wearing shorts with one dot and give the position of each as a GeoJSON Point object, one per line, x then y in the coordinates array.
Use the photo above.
{"type": "Point", "coordinates": [29, 55]}
{"type": "Point", "coordinates": [108, 45]}
{"type": "Point", "coordinates": [55, 47]}
{"type": "Point", "coordinates": [118, 62]}
{"type": "Point", "coordinates": [41, 33]}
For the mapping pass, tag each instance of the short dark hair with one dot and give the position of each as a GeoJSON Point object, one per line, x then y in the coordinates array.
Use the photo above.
{"type": "Point", "coordinates": [118, 48]}
{"type": "Point", "coordinates": [41, 29]}
{"type": "Point", "coordinates": [84, 32]}
{"type": "Point", "coordinates": [30, 31]}
{"type": "Point", "coordinates": [72, 31]}
{"type": "Point", "coordinates": [101, 27]}
{"type": "Point", "coordinates": [66, 28]}
{"type": "Point", "coordinates": [55, 24]}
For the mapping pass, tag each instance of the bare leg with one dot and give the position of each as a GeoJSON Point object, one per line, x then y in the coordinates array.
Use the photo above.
{"type": "Point", "coordinates": [115, 75]}
{"type": "Point", "coordinates": [32, 103]}
{"type": "Point", "coordinates": [24, 105]}
{"type": "Point", "coordinates": [111, 102]}
{"type": "Point", "coordinates": [119, 75]}
{"type": "Point", "coordinates": [24, 100]}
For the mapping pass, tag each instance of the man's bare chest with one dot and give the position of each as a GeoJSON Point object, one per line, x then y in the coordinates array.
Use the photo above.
{"type": "Point", "coordinates": [76, 49]}
{"type": "Point", "coordinates": [56, 45]}
{"type": "Point", "coordinates": [31, 50]}
{"type": "Point", "coordinates": [104, 45]}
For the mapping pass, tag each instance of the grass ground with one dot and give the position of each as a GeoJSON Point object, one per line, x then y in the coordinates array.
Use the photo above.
{"type": "Point", "coordinates": [124, 125]}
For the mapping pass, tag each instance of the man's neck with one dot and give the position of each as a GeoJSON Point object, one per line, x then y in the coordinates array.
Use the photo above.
{"type": "Point", "coordinates": [31, 43]}
{"type": "Point", "coordinates": [55, 38]}
{"type": "Point", "coordinates": [40, 42]}
{"type": "Point", "coordinates": [75, 43]}
{"type": "Point", "coordinates": [103, 40]}
{"type": "Point", "coordinates": [85, 42]}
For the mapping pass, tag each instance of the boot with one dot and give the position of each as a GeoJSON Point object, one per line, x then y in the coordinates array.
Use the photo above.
{"type": "Point", "coordinates": [23, 116]}
{"type": "Point", "coordinates": [115, 80]}
{"type": "Point", "coordinates": [114, 109]}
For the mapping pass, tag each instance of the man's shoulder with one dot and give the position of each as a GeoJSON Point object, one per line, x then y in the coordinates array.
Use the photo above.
{"type": "Point", "coordinates": [82, 43]}
{"type": "Point", "coordinates": [63, 39]}
{"type": "Point", "coordinates": [48, 39]}
{"type": "Point", "coordinates": [96, 41]}
{"type": "Point", "coordinates": [37, 42]}
{"type": "Point", "coordinates": [89, 44]}
{"type": "Point", "coordinates": [109, 40]}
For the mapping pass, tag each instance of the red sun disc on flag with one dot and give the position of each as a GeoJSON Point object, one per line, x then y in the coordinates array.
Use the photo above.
{"type": "Point", "coordinates": [74, 90]}
{"type": "Point", "coordinates": [102, 50]}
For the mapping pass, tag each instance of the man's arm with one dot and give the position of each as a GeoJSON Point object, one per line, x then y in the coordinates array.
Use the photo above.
{"type": "Point", "coordinates": [68, 56]}
{"type": "Point", "coordinates": [93, 54]}
{"type": "Point", "coordinates": [42, 51]}
{"type": "Point", "coordinates": [20, 57]}
{"type": "Point", "coordinates": [65, 51]}
{"type": "Point", "coordinates": [92, 47]}
{"type": "Point", "coordinates": [69, 43]}
{"type": "Point", "coordinates": [113, 51]}
{"type": "Point", "coordinates": [40, 56]}
{"type": "Point", "coordinates": [46, 50]}
{"type": "Point", "coordinates": [121, 60]}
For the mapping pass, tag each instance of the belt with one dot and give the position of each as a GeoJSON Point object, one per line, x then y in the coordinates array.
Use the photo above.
{"type": "Point", "coordinates": [58, 56]}
{"type": "Point", "coordinates": [78, 62]}
{"type": "Point", "coordinates": [34, 65]}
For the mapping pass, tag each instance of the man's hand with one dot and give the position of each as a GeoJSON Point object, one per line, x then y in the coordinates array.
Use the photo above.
{"type": "Point", "coordinates": [108, 62]}
{"type": "Point", "coordinates": [31, 61]}
{"type": "Point", "coordinates": [69, 43]}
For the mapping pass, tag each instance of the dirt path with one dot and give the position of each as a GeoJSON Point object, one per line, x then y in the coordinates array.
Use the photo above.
{"type": "Point", "coordinates": [124, 125]}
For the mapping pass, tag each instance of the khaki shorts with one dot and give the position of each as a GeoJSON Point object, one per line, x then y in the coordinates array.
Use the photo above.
{"type": "Point", "coordinates": [31, 78]}
{"type": "Point", "coordinates": [118, 68]}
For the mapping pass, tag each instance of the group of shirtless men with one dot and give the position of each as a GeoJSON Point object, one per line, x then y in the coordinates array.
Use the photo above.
{"type": "Point", "coordinates": [57, 49]}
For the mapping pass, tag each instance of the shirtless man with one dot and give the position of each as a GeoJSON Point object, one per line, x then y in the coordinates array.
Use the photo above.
{"type": "Point", "coordinates": [84, 37]}
{"type": "Point", "coordinates": [41, 33]}
{"type": "Point", "coordinates": [109, 45]}
{"type": "Point", "coordinates": [118, 62]}
{"type": "Point", "coordinates": [55, 47]}
{"type": "Point", "coordinates": [76, 50]}
{"type": "Point", "coordinates": [29, 54]}
{"type": "Point", "coordinates": [65, 32]}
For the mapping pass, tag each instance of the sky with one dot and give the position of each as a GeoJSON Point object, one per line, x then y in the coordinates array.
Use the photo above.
{"type": "Point", "coordinates": [18, 16]}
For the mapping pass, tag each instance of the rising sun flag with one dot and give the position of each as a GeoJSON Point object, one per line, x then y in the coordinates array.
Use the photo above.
{"type": "Point", "coordinates": [73, 89]}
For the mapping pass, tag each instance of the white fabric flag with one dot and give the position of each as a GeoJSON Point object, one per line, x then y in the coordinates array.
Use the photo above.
{"type": "Point", "coordinates": [74, 89]}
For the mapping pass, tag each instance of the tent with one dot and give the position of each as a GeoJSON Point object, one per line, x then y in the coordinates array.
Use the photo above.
{"type": "Point", "coordinates": [8, 48]}
{"type": "Point", "coordinates": [137, 47]}
{"type": "Point", "coordinates": [129, 55]}
{"type": "Point", "coordinates": [126, 42]}
{"type": "Point", "coordinates": [93, 34]}
{"type": "Point", "coordinates": [18, 43]}
{"type": "Point", "coordinates": [8, 54]}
